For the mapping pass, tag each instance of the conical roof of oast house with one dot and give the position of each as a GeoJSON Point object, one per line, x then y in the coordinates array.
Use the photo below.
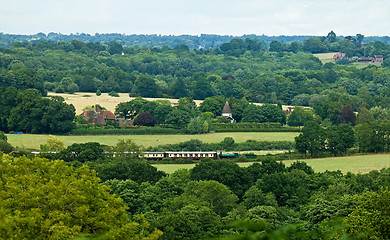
{"type": "Point", "coordinates": [226, 108]}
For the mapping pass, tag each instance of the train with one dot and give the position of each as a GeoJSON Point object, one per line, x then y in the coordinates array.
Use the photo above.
{"type": "Point", "coordinates": [193, 155]}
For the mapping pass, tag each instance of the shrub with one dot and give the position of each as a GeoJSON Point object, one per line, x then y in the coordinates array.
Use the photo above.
{"type": "Point", "coordinates": [196, 125]}
{"type": "Point", "coordinates": [145, 119]}
{"type": "Point", "coordinates": [72, 88]}
{"type": "Point", "coordinates": [52, 144]}
{"type": "Point", "coordinates": [6, 147]}
{"type": "Point", "coordinates": [113, 94]}
{"type": "Point", "coordinates": [2, 136]}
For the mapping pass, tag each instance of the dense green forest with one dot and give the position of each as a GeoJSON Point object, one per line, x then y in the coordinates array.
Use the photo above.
{"type": "Point", "coordinates": [282, 73]}
{"type": "Point", "coordinates": [215, 199]}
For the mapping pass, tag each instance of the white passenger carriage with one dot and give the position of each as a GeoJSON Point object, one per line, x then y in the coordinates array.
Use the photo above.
{"type": "Point", "coordinates": [175, 155]}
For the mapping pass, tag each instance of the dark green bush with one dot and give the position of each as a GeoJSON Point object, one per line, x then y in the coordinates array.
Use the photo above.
{"type": "Point", "coordinates": [6, 147]}
{"type": "Point", "coordinates": [113, 94]}
{"type": "Point", "coordinates": [2, 136]}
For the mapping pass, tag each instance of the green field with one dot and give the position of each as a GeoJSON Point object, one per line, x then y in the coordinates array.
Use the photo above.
{"type": "Point", "coordinates": [325, 57]}
{"type": "Point", "coordinates": [365, 64]}
{"type": "Point", "coordinates": [33, 141]}
{"type": "Point", "coordinates": [354, 164]}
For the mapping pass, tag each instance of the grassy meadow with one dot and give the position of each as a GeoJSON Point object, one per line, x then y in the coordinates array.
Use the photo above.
{"type": "Point", "coordinates": [33, 141]}
{"type": "Point", "coordinates": [355, 164]}
{"type": "Point", "coordinates": [365, 64]}
{"type": "Point", "coordinates": [325, 57]}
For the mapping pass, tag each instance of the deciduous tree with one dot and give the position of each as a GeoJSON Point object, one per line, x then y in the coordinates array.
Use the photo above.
{"type": "Point", "coordinates": [145, 119]}
{"type": "Point", "coordinates": [145, 86]}
{"type": "Point", "coordinates": [43, 199]}
{"type": "Point", "coordinates": [347, 115]}
{"type": "Point", "coordinates": [370, 219]}
{"type": "Point", "coordinates": [312, 139]}
{"type": "Point", "coordinates": [52, 144]}
{"type": "Point", "coordinates": [340, 138]}
{"type": "Point", "coordinates": [299, 117]}
{"type": "Point", "coordinates": [178, 118]}
{"type": "Point", "coordinates": [225, 172]}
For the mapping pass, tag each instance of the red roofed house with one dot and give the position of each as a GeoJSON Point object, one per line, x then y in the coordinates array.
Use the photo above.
{"type": "Point", "coordinates": [98, 117]}
{"type": "Point", "coordinates": [338, 56]}
{"type": "Point", "coordinates": [378, 58]}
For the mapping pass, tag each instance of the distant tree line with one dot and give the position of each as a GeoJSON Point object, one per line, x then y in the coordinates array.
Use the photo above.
{"type": "Point", "coordinates": [350, 45]}
{"type": "Point", "coordinates": [154, 40]}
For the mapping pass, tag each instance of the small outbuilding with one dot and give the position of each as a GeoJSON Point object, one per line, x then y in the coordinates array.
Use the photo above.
{"type": "Point", "coordinates": [227, 112]}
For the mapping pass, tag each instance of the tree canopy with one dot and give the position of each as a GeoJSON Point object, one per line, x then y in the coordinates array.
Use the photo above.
{"type": "Point", "coordinates": [43, 199]}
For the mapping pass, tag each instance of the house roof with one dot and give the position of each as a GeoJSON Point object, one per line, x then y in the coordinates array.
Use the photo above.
{"type": "Point", "coordinates": [107, 114]}
{"type": "Point", "coordinates": [226, 108]}
{"type": "Point", "coordinates": [98, 117]}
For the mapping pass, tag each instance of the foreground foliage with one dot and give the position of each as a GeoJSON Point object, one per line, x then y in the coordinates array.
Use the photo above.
{"type": "Point", "coordinates": [40, 199]}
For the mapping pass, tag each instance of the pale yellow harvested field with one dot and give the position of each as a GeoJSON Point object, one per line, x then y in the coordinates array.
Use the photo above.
{"type": "Point", "coordinates": [83, 99]}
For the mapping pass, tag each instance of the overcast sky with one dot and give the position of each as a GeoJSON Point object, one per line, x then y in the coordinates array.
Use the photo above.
{"type": "Point", "coordinates": [176, 17]}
